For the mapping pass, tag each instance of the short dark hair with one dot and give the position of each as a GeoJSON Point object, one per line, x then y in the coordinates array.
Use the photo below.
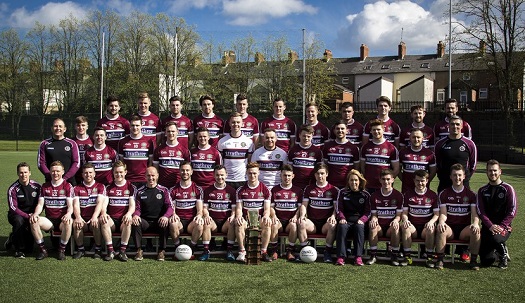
{"type": "Point", "coordinates": [457, 166]}
{"type": "Point", "coordinates": [135, 118]}
{"type": "Point", "coordinates": [287, 167]}
{"type": "Point", "coordinates": [175, 98]}
{"type": "Point", "coordinates": [23, 164]}
{"type": "Point", "coordinates": [384, 99]}
{"type": "Point", "coordinates": [307, 128]}
{"type": "Point", "coordinates": [386, 172]}
{"type": "Point", "coordinates": [421, 173]}
{"type": "Point", "coordinates": [346, 105]}
{"type": "Point", "coordinates": [416, 107]}
{"type": "Point", "coordinates": [493, 162]}
{"type": "Point", "coordinates": [241, 97]}
{"type": "Point", "coordinates": [206, 97]}
{"type": "Point", "coordinates": [87, 165]}
{"type": "Point", "coordinates": [112, 98]}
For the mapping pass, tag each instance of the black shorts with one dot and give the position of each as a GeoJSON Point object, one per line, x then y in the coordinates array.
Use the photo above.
{"type": "Point", "coordinates": [220, 224]}
{"type": "Point", "coordinates": [318, 225]}
{"type": "Point", "coordinates": [419, 230]}
{"type": "Point", "coordinates": [235, 184]}
{"type": "Point", "coordinates": [456, 229]}
{"type": "Point", "coordinates": [284, 223]}
{"type": "Point", "coordinates": [117, 223]}
{"type": "Point", "coordinates": [185, 224]}
{"type": "Point", "coordinates": [56, 224]}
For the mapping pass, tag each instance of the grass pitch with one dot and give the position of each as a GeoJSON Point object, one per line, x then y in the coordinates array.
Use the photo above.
{"type": "Point", "coordinates": [88, 280]}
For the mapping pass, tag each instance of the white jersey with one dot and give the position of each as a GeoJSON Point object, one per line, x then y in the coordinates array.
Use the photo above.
{"type": "Point", "coordinates": [270, 165]}
{"type": "Point", "coordinates": [235, 152]}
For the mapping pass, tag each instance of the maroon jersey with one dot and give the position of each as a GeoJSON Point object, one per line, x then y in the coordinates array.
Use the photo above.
{"type": "Point", "coordinates": [340, 158]}
{"type": "Point", "coordinates": [203, 161]}
{"type": "Point", "coordinates": [253, 198]}
{"type": "Point", "coordinates": [118, 199]}
{"type": "Point", "coordinates": [420, 207]}
{"type": "Point", "coordinates": [321, 134]}
{"type": "Point", "coordinates": [286, 201]}
{"type": "Point", "coordinates": [83, 145]}
{"type": "Point", "coordinates": [303, 161]}
{"type": "Point", "coordinates": [377, 157]}
{"type": "Point", "coordinates": [284, 130]}
{"type": "Point", "coordinates": [102, 160]}
{"type": "Point", "coordinates": [136, 153]}
{"type": "Point", "coordinates": [87, 197]}
{"type": "Point", "coordinates": [411, 161]}
{"type": "Point", "coordinates": [392, 130]}
{"type": "Point", "coordinates": [354, 132]}
{"type": "Point", "coordinates": [116, 129]}
{"type": "Point", "coordinates": [55, 198]}
{"type": "Point", "coordinates": [321, 201]}
{"type": "Point", "coordinates": [168, 158]}
{"type": "Point", "coordinates": [441, 130]}
{"type": "Point", "coordinates": [150, 126]}
{"type": "Point", "coordinates": [219, 202]}
{"type": "Point", "coordinates": [184, 126]}
{"type": "Point", "coordinates": [214, 124]}
{"type": "Point", "coordinates": [185, 200]}
{"type": "Point", "coordinates": [458, 205]}
{"type": "Point", "coordinates": [428, 136]}
{"type": "Point", "coordinates": [249, 127]}
{"type": "Point", "coordinates": [386, 207]}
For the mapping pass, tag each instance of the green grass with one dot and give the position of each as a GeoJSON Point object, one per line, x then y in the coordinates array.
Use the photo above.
{"type": "Point", "coordinates": [88, 280]}
{"type": "Point", "coordinates": [8, 145]}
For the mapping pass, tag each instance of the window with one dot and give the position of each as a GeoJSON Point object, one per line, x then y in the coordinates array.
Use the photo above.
{"type": "Point", "coordinates": [368, 67]}
{"type": "Point", "coordinates": [466, 76]}
{"type": "Point", "coordinates": [345, 80]}
{"type": "Point", "coordinates": [463, 98]}
{"type": "Point", "coordinates": [483, 93]}
{"type": "Point", "coordinates": [406, 65]}
{"type": "Point", "coordinates": [385, 66]}
{"type": "Point", "coordinates": [441, 95]}
{"type": "Point", "coordinates": [425, 65]}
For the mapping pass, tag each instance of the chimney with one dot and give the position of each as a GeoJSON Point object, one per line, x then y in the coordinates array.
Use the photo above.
{"type": "Point", "coordinates": [363, 52]}
{"type": "Point", "coordinates": [327, 55]}
{"type": "Point", "coordinates": [482, 47]}
{"type": "Point", "coordinates": [292, 56]}
{"type": "Point", "coordinates": [440, 49]}
{"type": "Point", "coordinates": [259, 58]}
{"type": "Point", "coordinates": [401, 51]}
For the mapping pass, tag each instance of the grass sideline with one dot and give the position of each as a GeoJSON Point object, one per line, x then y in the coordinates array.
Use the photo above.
{"type": "Point", "coordinates": [10, 145]}
{"type": "Point", "coordinates": [88, 280]}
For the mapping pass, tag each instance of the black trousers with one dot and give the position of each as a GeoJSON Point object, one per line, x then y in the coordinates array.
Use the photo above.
{"type": "Point", "coordinates": [149, 226]}
{"type": "Point", "coordinates": [358, 233]}
{"type": "Point", "coordinates": [489, 243]}
{"type": "Point", "coordinates": [22, 237]}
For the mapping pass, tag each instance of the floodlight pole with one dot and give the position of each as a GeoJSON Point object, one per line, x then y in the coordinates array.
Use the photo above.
{"type": "Point", "coordinates": [102, 77]}
{"type": "Point", "coordinates": [304, 76]}
{"type": "Point", "coordinates": [450, 49]}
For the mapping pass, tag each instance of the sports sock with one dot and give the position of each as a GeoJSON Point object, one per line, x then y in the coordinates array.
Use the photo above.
{"type": "Point", "coordinates": [123, 246]}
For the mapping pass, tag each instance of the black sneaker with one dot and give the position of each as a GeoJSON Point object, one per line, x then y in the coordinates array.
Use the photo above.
{"type": "Point", "coordinates": [474, 265]}
{"type": "Point", "coordinates": [97, 254]}
{"type": "Point", "coordinates": [61, 255]}
{"type": "Point", "coordinates": [9, 242]}
{"type": "Point", "coordinates": [439, 265]}
{"type": "Point", "coordinates": [503, 262]}
{"type": "Point", "coordinates": [430, 263]}
{"type": "Point", "coordinates": [110, 256]}
{"type": "Point", "coordinates": [266, 257]}
{"type": "Point", "coordinates": [122, 256]}
{"type": "Point", "coordinates": [394, 261]}
{"type": "Point", "coordinates": [20, 255]}
{"type": "Point", "coordinates": [41, 255]}
{"type": "Point", "coordinates": [79, 254]}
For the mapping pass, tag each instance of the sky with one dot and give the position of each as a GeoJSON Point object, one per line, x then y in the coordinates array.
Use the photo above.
{"type": "Point", "coordinates": [342, 25]}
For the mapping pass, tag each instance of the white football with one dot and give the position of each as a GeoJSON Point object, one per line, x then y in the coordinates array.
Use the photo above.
{"type": "Point", "coordinates": [308, 254]}
{"type": "Point", "coordinates": [183, 252]}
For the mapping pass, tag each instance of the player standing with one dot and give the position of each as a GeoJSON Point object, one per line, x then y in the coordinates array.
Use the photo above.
{"type": "Point", "coordinates": [204, 158]}
{"type": "Point", "coordinates": [250, 124]}
{"type": "Point", "coordinates": [168, 156]}
{"type": "Point", "coordinates": [184, 124]}
{"type": "Point", "coordinates": [416, 157]}
{"type": "Point", "coordinates": [354, 129]}
{"type": "Point", "coordinates": [303, 157]}
{"type": "Point", "coordinates": [209, 120]}
{"type": "Point", "coordinates": [101, 156]}
{"type": "Point", "coordinates": [340, 155]}
{"type": "Point", "coordinates": [377, 155]}
{"type": "Point", "coordinates": [83, 142]}
{"type": "Point", "coordinates": [150, 122]}
{"type": "Point", "coordinates": [417, 112]}
{"type": "Point", "coordinates": [284, 126]}
{"type": "Point", "coordinates": [441, 128]}
{"type": "Point", "coordinates": [391, 129]}
{"type": "Point", "coordinates": [116, 126]}
{"type": "Point", "coordinates": [321, 133]}
{"type": "Point", "coordinates": [270, 158]}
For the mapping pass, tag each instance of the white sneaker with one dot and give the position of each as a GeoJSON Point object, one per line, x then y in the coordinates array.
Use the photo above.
{"type": "Point", "coordinates": [242, 256]}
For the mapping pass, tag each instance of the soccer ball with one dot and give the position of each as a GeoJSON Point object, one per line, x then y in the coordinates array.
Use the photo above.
{"type": "Point", "coordinates": [183, 252]}
{"type": "Point", "coordinates": [308, 254]}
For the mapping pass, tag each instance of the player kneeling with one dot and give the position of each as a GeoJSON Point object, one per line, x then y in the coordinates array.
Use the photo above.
{"type": "Point", "coordinates": [89, 198]}
{"type": "Point", "coordinates": [286, 200]}
{"type": "Point", "coordinates": [218, 214]}
{"type": "Point", "coordinates": [420, 214]}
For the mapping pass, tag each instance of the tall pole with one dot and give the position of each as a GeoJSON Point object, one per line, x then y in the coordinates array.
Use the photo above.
{"type": "Point", "coordinates": [102, 76]}
{"type": "Point", "coordinates": [176, 61]}
{"type": "Point", "coordinates": [304, 76]}
{"type": "Point", "coordinates": [450, 49]}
